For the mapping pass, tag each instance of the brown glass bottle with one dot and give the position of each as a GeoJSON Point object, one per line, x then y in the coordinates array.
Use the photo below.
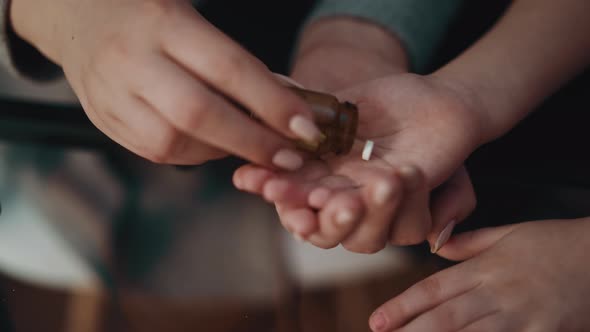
{"type": "Point", "coordinates": [337, 121]}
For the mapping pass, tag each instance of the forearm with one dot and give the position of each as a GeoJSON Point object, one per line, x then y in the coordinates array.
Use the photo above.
{"type": "Point", "coordinates": [338, 52]}
{"type": "Point", "coordinates": [532, 51]}
{"type": "Point", "coordinates": [420, 25]}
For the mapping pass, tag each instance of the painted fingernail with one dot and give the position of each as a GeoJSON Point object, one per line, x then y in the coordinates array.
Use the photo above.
{"type": "Point", "coordinates": [382, 193]}
{"type": "Point", "coordinates": [319, 197]}
{"type": "Point", "coordinates": [345, 217]}
{"type": "Point", "coordinates": [444, 237]}
{"type": "Point", "coordinates": [305, 129]}
{"type": "Point", "coordinates": [288, 160]}
{"type": "Point", "coordinates": [377, 321]}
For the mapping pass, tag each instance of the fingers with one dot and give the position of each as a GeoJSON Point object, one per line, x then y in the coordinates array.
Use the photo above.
{"type": "Point", "coordinates": [293, 196]}
{"type": "Point", "coordinates": [191, 107]}
{"type": "Point", "coordinates": [318, 198]}
{"type": "Point", "coordinates": [381, 194]}
{"type": "Point", "coordinates": [289, 188]}
{"type": "Point", "coordinates": [300, 222]}
{"type": "Point", "coordinates": [230, 70]}
{"type": "Point", "coordinates": [338, 218]}
{"type": "Point", "coordinates": [291, 191]}
{"type": "Point", "coordinates": [362, 218]}
{"type": "Point", "coordinates": [137, 127]}
{"type": "Point", "coordinates": [490, 323]}
{"type": "Point", "coordinates": [252, 178]}
{"type": "Point", "coordinates": [467, 245]}
{"type": "Point", "coordinates": [422, 297]}
{"type": "Point", "coordinates": [453, 203]}
{"type": "Point", "coordinates": [454, 314]}
{"type": "Point", "coordinates": [412, 221]}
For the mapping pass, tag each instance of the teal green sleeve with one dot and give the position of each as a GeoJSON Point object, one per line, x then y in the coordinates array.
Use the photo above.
{"type": "Point", "coordinates": [420, 24]}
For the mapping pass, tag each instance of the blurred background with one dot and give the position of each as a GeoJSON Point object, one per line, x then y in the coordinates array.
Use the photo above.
{"type": "Point", "coordinates": [95, 239]}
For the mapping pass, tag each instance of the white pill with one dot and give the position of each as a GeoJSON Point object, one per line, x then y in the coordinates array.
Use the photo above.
{"type": "Point", "coordinates": [368, 150]}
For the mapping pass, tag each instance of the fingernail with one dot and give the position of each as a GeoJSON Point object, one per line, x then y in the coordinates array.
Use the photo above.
{"type": "Point", "coordinates": [299, 238]}
{"type": "Point", "coordinates": [288, 160]}
{"type": "Point", "coordinates": [345, 217]}
{"type": "Point", "coordinates": [383, 192]}
{"type": "Point", "coordinates": [305, 129]}
{"type": "Point", "coordinates": [377, 321]}
{"type": "Point", "coordinates": [444, 237]}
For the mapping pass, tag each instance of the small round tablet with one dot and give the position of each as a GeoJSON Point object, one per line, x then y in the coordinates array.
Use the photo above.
{"type": "Point", "coordinates": [368, 150]}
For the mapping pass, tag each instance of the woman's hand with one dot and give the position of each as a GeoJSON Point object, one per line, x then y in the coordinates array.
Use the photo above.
{"type": "Point", "coordinates": [526, 277]}
{"type": "Point", "coordinates": [157, 78]}
{"type": "Point", "coordinates": [423, 129]}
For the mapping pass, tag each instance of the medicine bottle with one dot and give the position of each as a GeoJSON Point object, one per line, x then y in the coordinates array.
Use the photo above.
{"type": "Point", "coordinates": [337, 121]}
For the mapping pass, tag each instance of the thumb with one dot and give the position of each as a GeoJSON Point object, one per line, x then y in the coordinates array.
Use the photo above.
{"type": "Point", "coordinates": [452, 203]}
{"type": "Point", "coordinates": [467, 245]}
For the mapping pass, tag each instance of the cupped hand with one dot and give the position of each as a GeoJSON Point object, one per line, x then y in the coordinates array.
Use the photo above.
{"type": "Point", "coordinates": [160, 80]}
{"type": "Point", "coordinates": [525, 277]}
{"type": "Point", "coordinates": [423, 129]}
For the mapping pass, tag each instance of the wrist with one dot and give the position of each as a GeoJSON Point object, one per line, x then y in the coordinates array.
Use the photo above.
{"type": "Point", "coordinates": [364, 37]}
{"type": "Point", "coordinates": [473, 109]}
{"type": "Point", "coordinates": [481, 99]}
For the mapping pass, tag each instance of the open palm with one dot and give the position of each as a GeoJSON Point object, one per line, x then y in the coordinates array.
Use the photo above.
{"type": "Point", "coordinates": [423, 131]}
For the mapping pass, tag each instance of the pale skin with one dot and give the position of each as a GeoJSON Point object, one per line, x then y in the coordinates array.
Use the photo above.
{"type": "Point", "coordinates": [538, 46]}
{"type": "Point", "coordinates": [157, 78]}
{"type": "Point", "coordinates": [474, 99]}
{"type": "Point", "coordinates": [527, 277]}
{"type": "Point", "coordinates": [365, 205]}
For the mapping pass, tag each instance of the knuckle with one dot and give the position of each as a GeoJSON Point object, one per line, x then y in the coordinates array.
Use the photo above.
{"type": "Point", "coordinates": [164, 145]}
{"type": "Point", "coordinates": [190, 112]}
{"type": "Point", "coordinates": [432, 288]}
{"type": "Point", "coordinates": [397, 309]}
{"type": "Point", "coordinates": [156, 10]}
{"type": "Point", "coordinates": [230, 68]}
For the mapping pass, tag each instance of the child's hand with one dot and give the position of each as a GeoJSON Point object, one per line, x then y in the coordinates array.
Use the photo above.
{"type": "Point", "coordinates": [157, 78]}
{"type": "Point", "coordinates": [525, 277]}
{"type": "Point", "coordinates": [423, 131]}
